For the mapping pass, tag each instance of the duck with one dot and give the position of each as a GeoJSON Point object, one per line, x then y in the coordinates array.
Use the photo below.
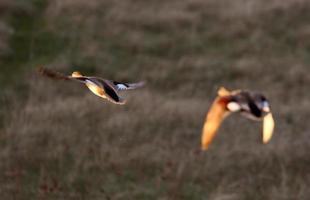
{"type": "Point", "coordinates": [250, 104]}
{"type": "Point", "coordinates": [103, 88]}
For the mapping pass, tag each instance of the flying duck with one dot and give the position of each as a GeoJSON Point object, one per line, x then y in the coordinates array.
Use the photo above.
{"type": "Point", "coordinates": [103, 88]}
{"type": "Point", "coordinates": [251, 105]}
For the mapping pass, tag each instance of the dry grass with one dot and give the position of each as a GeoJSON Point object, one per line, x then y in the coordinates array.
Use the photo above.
{"type": "Point", "coordinates": [5, 30]}
{"type": "Point", "coordinates": [61, 142]}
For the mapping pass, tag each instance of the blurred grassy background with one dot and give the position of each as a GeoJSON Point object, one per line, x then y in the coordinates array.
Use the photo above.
{"type": "Point", "coordinates": [58, 141]}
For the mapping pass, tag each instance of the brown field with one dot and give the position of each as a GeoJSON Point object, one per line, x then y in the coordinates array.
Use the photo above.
{"type": "Point", "coordinates": [58, 141]}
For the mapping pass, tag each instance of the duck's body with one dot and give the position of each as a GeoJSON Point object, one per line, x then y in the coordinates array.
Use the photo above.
{"type": "Point", "coordinates": [103, 88]}
{"type": "Point", "coordinates": [251, 105]}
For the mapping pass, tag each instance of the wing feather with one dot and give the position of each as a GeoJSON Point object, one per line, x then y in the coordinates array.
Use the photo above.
{"type": "Point", "coordinates": [268, 127]}
{"type": "Point", "coordinates": [52, 74]}
{"type": "Point", "coordinates": [111, 93]}
{"type": "Point", "coordinates": [127, 86]}
{"type": "Point", "coordinates": [214, 118]}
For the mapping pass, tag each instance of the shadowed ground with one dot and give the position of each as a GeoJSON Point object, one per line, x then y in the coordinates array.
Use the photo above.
{"type": "Point", "coordinates": [58, 141]}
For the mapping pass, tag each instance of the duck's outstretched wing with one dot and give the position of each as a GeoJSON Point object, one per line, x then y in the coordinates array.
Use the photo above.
{"type": "Point", "coordinates": [127, 86]}
{"type": "Point", "coordinates": [268, 126]}
{"type": "Point", "coordinates": [111, 93]}
{"type": "Point", "coordinates": [214, 118]}
{"type": "Point", "coordinates": [52, 74]}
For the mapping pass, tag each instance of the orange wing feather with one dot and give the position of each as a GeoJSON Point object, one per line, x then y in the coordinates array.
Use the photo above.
{"type": "Point", "coordinates": [268, 127]}
{"type": "Point", "coordinates": [215, 116]}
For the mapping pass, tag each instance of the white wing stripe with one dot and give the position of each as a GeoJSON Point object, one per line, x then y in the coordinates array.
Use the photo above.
{"type": "Point", "coordinates": [121, 87]}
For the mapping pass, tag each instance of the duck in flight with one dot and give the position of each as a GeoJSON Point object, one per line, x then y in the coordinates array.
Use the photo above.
{"type": "Point", "coordinates": [250, 104]}
{"type": "Point", "coordinates": [103, 88]}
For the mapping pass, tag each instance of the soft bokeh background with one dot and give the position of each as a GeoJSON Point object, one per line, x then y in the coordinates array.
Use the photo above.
{"type": "Point", "coordinates": [58, 141]}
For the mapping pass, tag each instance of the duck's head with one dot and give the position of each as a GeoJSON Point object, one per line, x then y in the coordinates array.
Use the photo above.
{"type": "Point", "coordinates": [261, 102]}
{"type": "Point", "coordinates": [76, 74]}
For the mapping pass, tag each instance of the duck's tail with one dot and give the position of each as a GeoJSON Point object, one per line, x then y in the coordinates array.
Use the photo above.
{"type": "Point", "coordinates": [52, 74]}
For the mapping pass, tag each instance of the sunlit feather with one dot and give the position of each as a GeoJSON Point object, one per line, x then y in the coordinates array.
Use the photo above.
{"type": "Point", "coordinates": [268, 126]}
{"type": "Point", "coordinates": [214, 118]}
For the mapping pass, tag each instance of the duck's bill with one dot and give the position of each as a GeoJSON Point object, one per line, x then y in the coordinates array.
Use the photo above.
{"type": "Point", "coordinates": [268, 126]}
